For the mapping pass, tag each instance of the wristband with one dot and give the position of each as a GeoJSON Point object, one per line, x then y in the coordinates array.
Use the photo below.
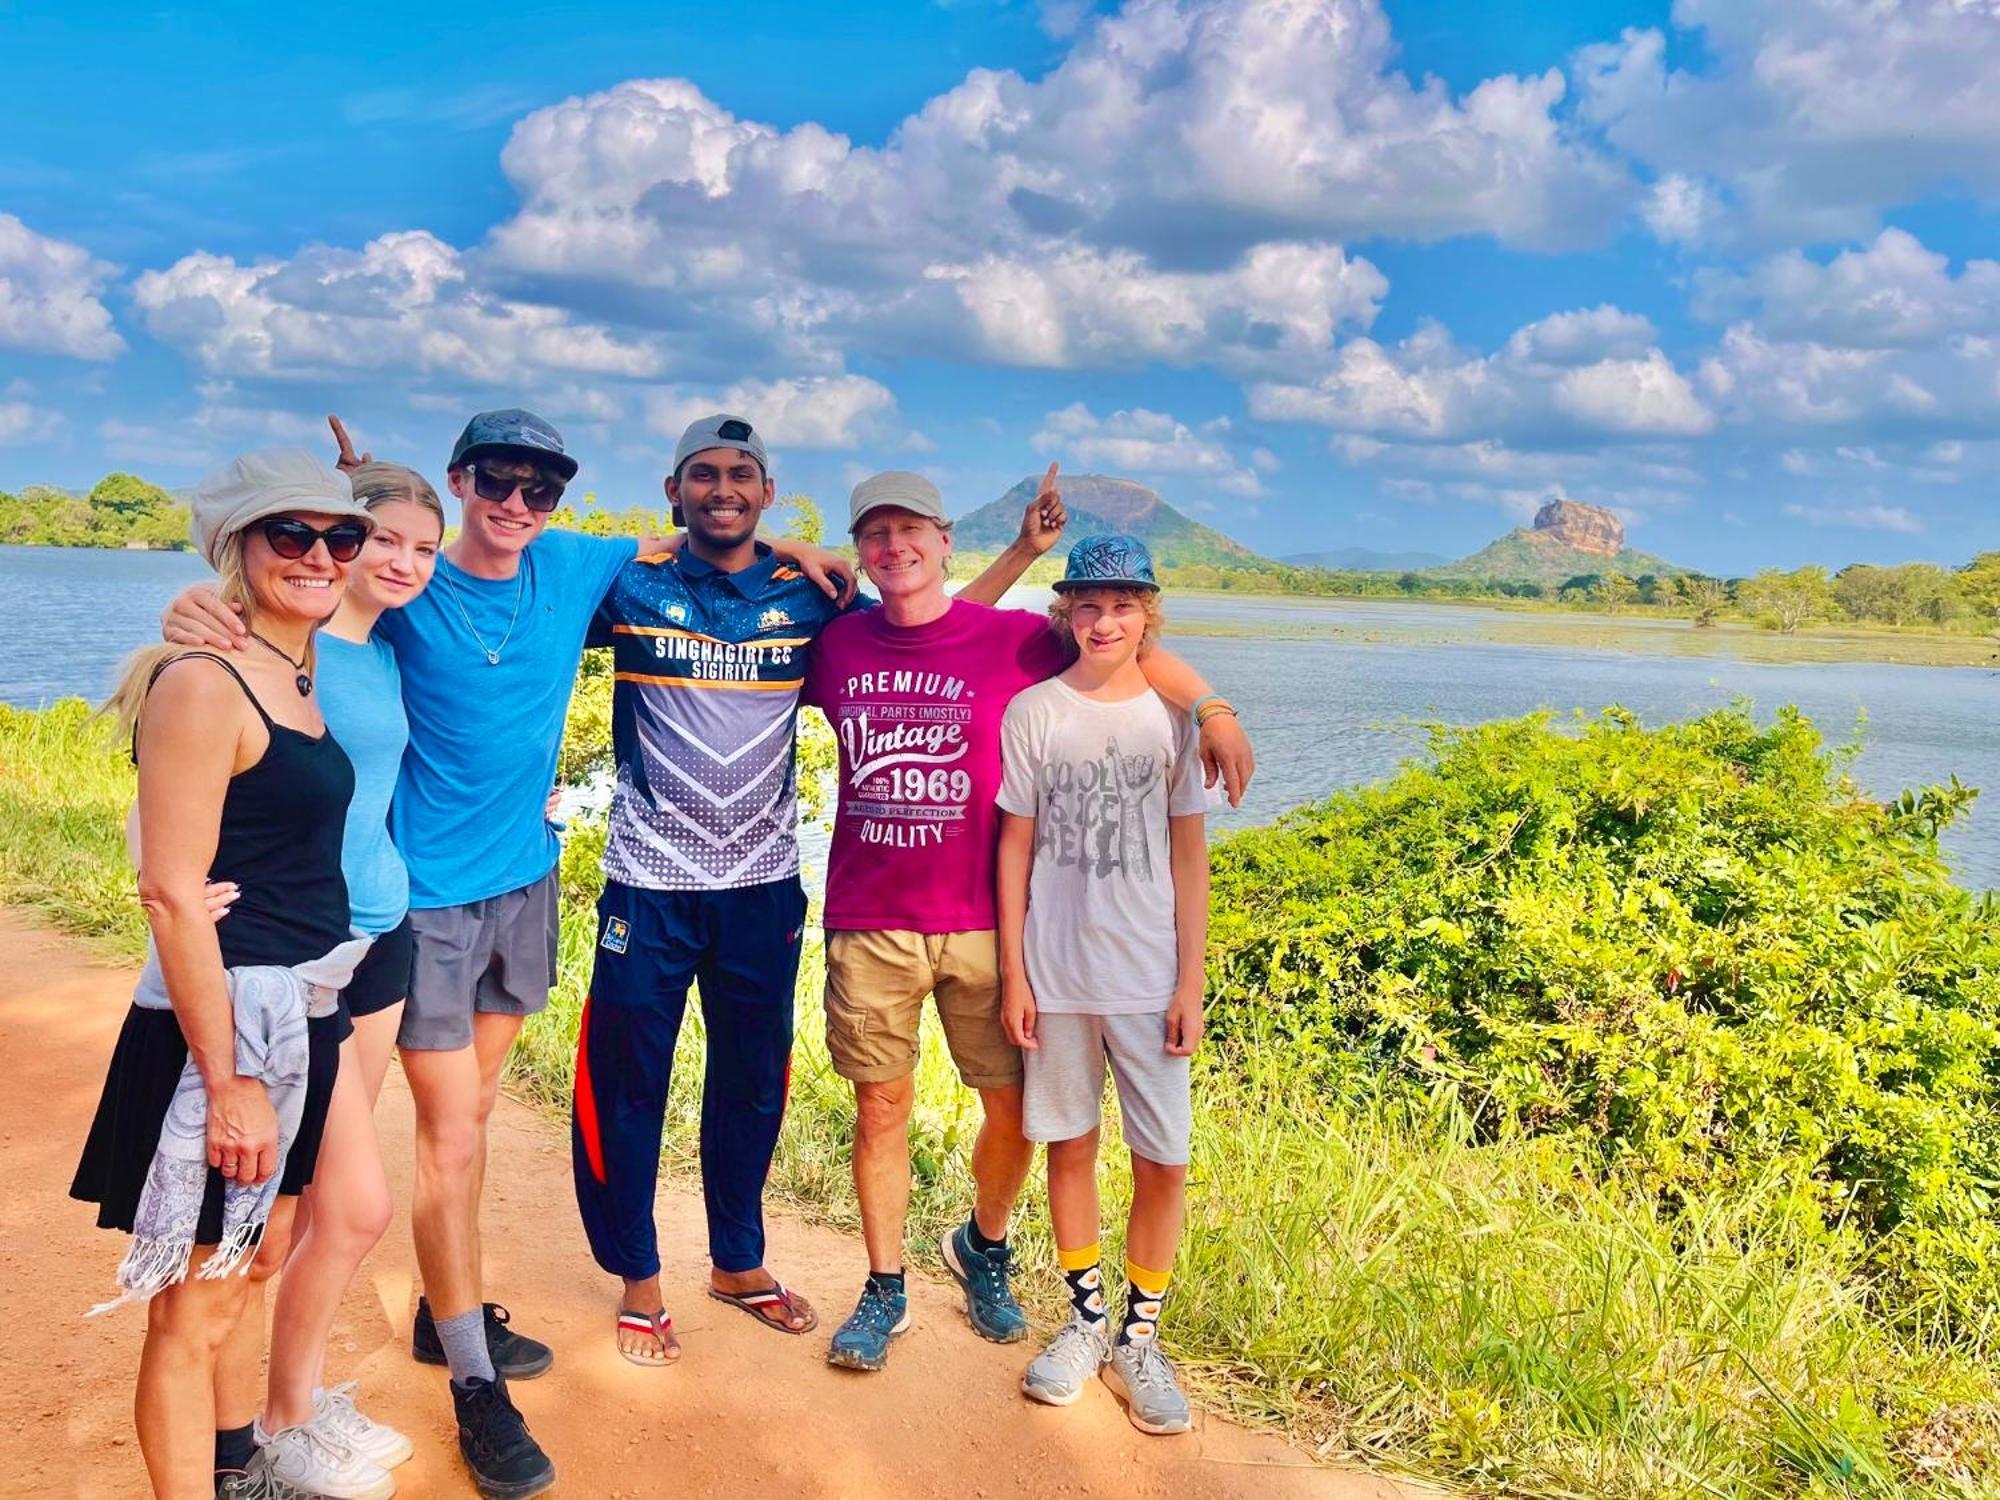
{"type": "Point", "coordinates": [1215, 711]}
{"type": "Point", "coordinates": [1202, 702]}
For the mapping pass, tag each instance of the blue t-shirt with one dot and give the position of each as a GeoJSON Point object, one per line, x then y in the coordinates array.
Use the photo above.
{"type": "Point", "coordinates": [361, 696]}
{"type": "Point", "coordinates": [484, 733]}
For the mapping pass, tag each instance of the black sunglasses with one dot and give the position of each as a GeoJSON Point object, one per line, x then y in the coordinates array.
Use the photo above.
{"type": "Point", "coordinates": [292, 539]}
{"type": "Point", "coordinates": [539, 493]}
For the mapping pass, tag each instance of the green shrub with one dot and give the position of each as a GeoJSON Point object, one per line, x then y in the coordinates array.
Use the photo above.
{"type": "Point", "coordinates": [1697, 947]}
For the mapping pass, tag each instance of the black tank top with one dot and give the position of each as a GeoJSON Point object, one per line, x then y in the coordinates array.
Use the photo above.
{"type": "Point", "coordinates": [280, 843]}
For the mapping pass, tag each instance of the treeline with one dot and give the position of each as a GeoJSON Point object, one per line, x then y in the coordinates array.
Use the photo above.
{"type": "Point", "coordinates": [124, 510]}
{"type": "Point", "coordinates": [1965, 598]}
{"type": "Point", "coordinates": [121, 510]}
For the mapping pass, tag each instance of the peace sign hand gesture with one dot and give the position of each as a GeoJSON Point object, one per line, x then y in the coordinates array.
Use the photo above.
{"type": "Point", "coordinates": [347, 463]}
{"type": "Point", "coordinates": [1042, 524]}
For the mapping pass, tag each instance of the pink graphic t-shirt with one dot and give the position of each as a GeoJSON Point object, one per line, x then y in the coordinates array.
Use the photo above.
{"type": "Point", "coordinates": [916, 711]}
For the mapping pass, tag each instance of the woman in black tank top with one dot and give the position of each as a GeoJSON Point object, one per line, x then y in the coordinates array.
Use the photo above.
{"type": "Point", "coordinates": [238, 781]}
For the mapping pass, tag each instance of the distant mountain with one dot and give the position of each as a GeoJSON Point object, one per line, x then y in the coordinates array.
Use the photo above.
{"type": "Point", "coordinates": [1099, 504]}
{"type": "Point", "coordinates": [1366, 560]}
{"type": "Point", "coordinates": [1567, 540]}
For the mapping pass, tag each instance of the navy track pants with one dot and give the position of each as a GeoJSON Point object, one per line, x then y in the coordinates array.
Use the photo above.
{"type": "Point", "coordinates": [741, 948]}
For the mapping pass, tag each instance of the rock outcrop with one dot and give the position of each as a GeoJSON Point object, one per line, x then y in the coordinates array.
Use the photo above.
{"type": "Point", "coordinates": [1581, 528]}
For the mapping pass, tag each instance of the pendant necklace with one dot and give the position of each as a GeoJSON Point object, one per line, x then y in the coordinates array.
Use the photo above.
{"type": "Point", "coordinates": [492, 652]}
{"type": "Point", "coordinates": [303, 681]}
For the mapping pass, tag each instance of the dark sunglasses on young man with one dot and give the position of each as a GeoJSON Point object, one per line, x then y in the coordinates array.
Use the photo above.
{"type": "Point", "coordinates": [539, 493]}
{"type": "Point", "coordinates": [292, 539]}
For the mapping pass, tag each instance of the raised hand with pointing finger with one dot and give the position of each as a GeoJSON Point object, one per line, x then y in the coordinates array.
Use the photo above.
{"type": "Point", "coordinates": [1043, 521]}
{"type": "Point", "coordinates": [346, 462]}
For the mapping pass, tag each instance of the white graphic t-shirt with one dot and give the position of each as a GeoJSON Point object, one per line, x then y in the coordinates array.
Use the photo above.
{"type": "Point", "coordinates": [1100, 780]}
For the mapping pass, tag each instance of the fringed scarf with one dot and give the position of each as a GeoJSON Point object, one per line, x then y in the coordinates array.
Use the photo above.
{"type": "Point", "coordinates": [271, 1006]}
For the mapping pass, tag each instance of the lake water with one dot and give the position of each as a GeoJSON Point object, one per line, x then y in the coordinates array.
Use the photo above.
{"type": "Point", "coordinates": [1331, 691]}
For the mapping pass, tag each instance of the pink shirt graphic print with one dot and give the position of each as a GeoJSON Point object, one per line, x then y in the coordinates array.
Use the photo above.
{"type": "Point", "coordinates": [916, 713]}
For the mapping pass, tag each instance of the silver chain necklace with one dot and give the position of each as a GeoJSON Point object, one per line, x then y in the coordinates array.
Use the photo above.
{"type": "Point", "coordinates": [492, 652]}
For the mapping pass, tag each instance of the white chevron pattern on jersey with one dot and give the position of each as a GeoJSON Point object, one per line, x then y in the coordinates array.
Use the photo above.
{"type": "Point", "coordinates": [722, 813]}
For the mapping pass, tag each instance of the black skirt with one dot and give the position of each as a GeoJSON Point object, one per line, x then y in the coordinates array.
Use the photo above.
{"type": "Point", "coordinates": [145, 1070]}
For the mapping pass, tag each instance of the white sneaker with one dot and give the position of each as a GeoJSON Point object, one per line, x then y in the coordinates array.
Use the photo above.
{"type": "Point", "coordinates": [381, 1444]}
{"type": "Point", "coordinates": [314, 1460]}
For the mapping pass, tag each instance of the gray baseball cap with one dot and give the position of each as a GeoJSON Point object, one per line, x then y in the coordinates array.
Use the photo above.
{"type": "Point", "coordinates": [515, 431]}
{"type": "Point", "coordinates": [899, 488]}
{"type": "Point", "coordinates": [720, 431]}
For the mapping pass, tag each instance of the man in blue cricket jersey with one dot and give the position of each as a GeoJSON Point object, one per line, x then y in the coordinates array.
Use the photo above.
{"type": "Point", "coordinates": [702, 874]}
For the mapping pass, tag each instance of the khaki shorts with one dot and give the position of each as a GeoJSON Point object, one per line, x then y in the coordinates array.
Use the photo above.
{"type": "Point", "coordinates": [875, 988]}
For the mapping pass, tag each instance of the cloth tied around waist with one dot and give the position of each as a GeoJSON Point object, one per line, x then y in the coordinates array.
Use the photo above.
{"type": "Point", "coordinates": [272, 1004]}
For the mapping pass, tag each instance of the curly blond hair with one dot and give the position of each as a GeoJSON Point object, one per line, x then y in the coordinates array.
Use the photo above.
{"type": "Point", "coordinates": [1149, 600]}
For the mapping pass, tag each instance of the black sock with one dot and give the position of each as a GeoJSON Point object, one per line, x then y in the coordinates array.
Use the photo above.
{"type": "Point", "coordinates": [888, 1282]}
{"type": "Point", "coordinates": [979, 1241]}
{"type": "Point", "coordinates": [1086, 1294]}
{"type": "Point", "coordinates": [1142, 1314]}
{"type": "Point", "coordinates": [234, 1448]}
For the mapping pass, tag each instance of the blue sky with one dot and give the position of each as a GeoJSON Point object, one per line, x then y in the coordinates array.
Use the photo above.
{"type": "Point", "coordinates": [1324, 272]}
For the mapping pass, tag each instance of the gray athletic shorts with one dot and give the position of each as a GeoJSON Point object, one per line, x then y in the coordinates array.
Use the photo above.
{"type": "Point", "coordinates": [1063, 1094]}
{"type": "Point", "coordinates": [496, 955]}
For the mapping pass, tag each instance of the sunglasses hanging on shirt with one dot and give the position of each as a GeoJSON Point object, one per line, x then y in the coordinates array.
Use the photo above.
{"type": "Point", "coordinates": [538, 492]}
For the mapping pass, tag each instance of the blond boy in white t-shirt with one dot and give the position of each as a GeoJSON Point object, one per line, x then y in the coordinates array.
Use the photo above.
{"type": "Point", "coordinates": [1103, 918]}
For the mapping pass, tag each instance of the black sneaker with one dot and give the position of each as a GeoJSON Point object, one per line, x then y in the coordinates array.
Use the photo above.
{"type": "Point", "coordinates": [506, 1463]}
{"type": "Point", "coordinates": [514, 1355]}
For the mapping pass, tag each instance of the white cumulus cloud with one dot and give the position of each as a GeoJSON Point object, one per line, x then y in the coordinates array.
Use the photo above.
{"type": "Point", "coordinates": [405, 302]}
{"type": "Point", "coordinates": [1806, 118]}
{"type": "Point", "coordinates": [1573, 376]}
{"type": "Point", "coordinates": [837, 411]}
{"type": "Point", "coordinates": [1138, 441]}
{"type": "Point", "coordinates": [50, 296]}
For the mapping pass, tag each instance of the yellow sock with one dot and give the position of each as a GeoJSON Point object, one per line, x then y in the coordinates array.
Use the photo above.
{"type": "Point", "coordinates": [1085, 1282]}
{"type": "Point", "coordinates": [1079, 1259]}
{"type": "Point", "coordinates": [1144, 1298]}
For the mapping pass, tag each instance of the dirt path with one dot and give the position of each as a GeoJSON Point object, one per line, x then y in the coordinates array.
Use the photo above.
{"type": "Point", "coordinates": [747, 1412]}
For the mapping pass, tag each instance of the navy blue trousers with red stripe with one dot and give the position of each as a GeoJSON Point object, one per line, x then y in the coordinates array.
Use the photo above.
{"type": "Point", "coordinates": [741, 948]}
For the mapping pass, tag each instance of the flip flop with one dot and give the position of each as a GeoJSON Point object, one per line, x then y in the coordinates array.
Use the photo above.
{"type": "Point", "coordinates": [754, 1304]}
{"type": "Point", "coordinates": [657, 1325]}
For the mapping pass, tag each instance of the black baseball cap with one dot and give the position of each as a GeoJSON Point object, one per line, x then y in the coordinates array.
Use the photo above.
{"type": "Point", "coordinates": [513, 430]}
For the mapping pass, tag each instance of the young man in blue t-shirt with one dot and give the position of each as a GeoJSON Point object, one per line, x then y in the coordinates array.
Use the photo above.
{"type": "Point", "coordinates": [702, 875]}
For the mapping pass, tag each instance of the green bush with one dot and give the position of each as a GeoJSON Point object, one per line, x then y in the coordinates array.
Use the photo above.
{"type": "Point", "coordinates": [1698, 947]}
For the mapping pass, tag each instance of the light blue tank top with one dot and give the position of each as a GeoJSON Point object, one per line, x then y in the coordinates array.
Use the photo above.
{"type": "Point", "coordinates": [361, 696]}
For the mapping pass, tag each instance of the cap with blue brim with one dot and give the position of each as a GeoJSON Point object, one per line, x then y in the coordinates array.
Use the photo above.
{"type": "Point", "coordinates": [1108, 562]}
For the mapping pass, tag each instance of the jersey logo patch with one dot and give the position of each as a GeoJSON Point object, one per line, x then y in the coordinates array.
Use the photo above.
{"type": "Point", "coordinates": [677, 613]}
{"type": "Point", "coordinates": [772, 619]}
{"type": "Point", "coordinates": [617, 934]}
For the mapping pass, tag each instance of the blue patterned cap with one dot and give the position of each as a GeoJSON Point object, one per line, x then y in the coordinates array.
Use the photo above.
{"type": "Point", "coordinates": [517, 431]}
{"type": "Point", "coordinates": [1108, 562]}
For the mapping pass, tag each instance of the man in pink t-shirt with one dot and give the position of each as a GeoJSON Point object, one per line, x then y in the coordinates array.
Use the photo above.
{"type": "Point", "coordinates": [915, 692]}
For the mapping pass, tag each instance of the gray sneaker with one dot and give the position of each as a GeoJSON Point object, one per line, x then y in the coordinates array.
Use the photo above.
{"type": "Point", "coordinates": [1140, 1375]}
{"type": "Point", "coordinates": [260, 1485]}
{"type": "Point", "coordinates": [1057, 1375]}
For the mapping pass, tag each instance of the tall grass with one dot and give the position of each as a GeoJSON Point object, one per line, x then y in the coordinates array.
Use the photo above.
{"type": "Point", "coordinates": [1369, 1273]}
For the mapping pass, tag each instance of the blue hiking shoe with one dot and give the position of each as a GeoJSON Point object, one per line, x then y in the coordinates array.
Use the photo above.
{"type": "Point", "coordinates": [989, 1301]}
{"type": "Point", "coordinates": [863, 1340]}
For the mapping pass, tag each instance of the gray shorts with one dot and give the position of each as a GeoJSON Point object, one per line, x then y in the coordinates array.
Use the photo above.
{"type": "Point", "coordinates": [496, 955]}
{"type": "Point", "coordinates": [1064, 1090]}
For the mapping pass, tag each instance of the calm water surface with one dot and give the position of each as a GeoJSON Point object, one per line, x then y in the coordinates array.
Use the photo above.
{"type": "Point", "coordinates": [1325, 713]}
